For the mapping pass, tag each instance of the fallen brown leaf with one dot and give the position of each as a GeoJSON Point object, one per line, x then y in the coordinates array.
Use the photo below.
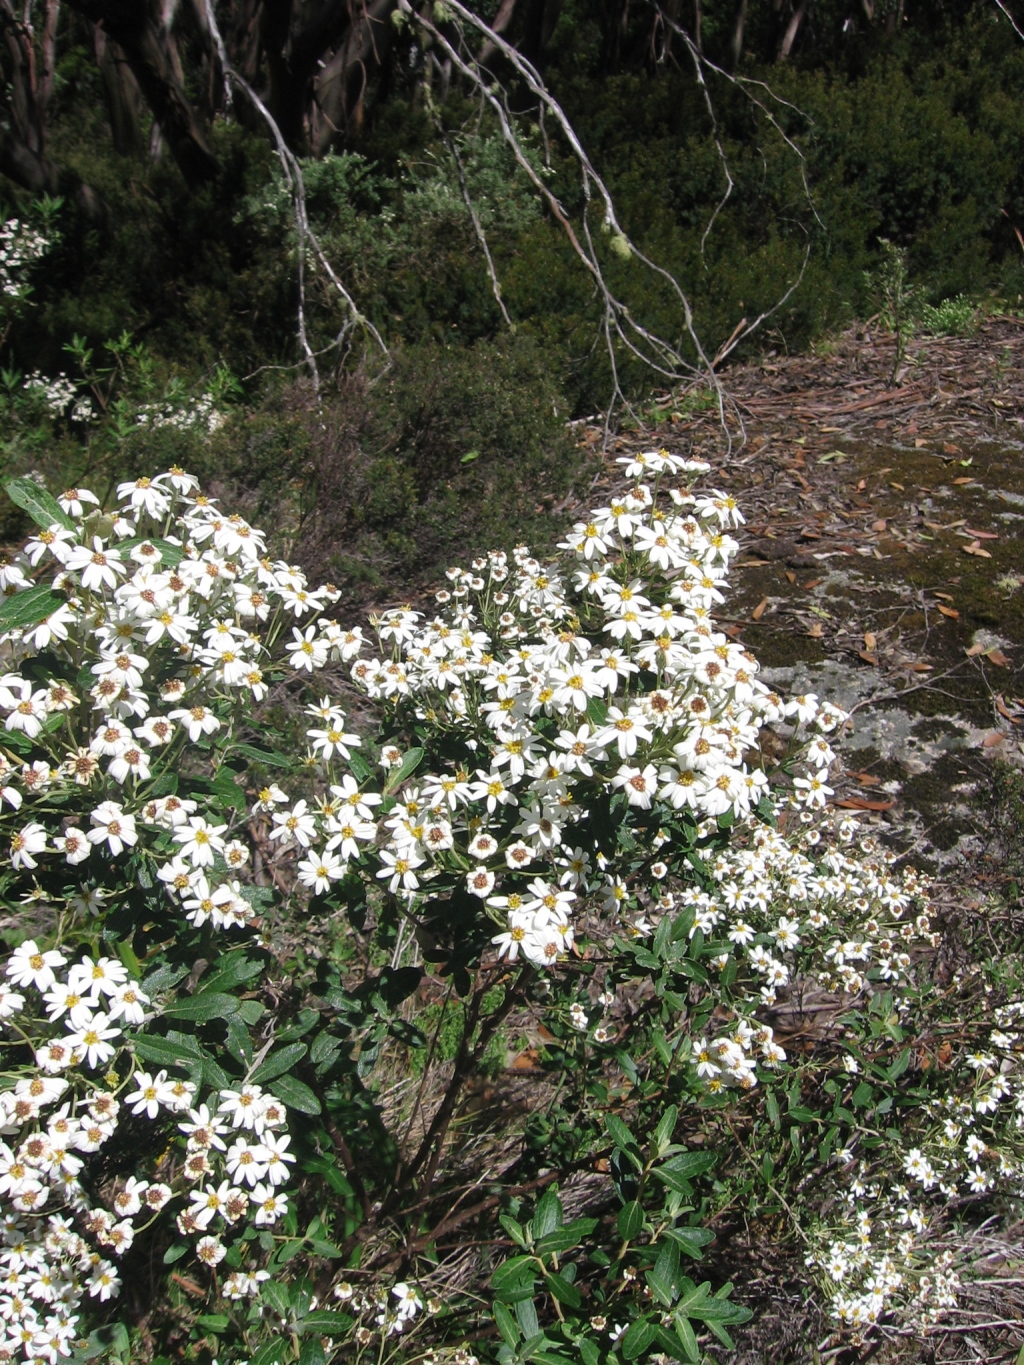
{"type": "Point", "coordinates": [982, 535]}
{"type": "Point", "coordinates": [816, 631]}
{"type": "Point", "coordinates": [758, 611]}
{"type": "Point", "coordinates": [990, 741]}
{"type": "Point", "coordinates": [921, 441]}
{"type": "Point", "coordinates": [866, 779]}
{"type": "Point", "coordinates": [975, 549]}
{"type": "Point", "coordinates": [946, 596]}
{"type": "Point", "coordinates": [870, 640]}
{"type": "Point", "coordinates": [900, 486]}
{"type": "Point", "coordinates": [790, 575]}
{"type": "Point", "coordinates": [949, 449]}
{"type": "Point", "coordinates": [862, 485]}
{"type": "Point", "coordinates": [997, 657]}
{"type": "Point", "coordinates": [1005, 712]}
{"type": "Point", "coordinates": [812, 584]}
{"type": "Point", "coordinates": [966, 479]}
{"type": "Point", "coordinates": [868, 658]}
{"type": "Point", "coordinates": [921, 668]}
{"type": "Point", "coordinates": [861, 803]}
{"type": "Point", "coordinates": [974, 651]}
{"type": "Point", "coordinates": [951, 612]}
{"type": "Point", "coordinates": [878, 525]}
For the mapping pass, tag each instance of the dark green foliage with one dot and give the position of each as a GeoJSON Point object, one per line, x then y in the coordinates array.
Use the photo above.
{"type": "Point", "coordinates": [452, 451]}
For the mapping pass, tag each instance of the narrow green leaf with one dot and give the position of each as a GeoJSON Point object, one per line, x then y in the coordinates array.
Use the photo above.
{"type": "Point", "coordinates": [623, 1139]}
{"type": "Point", "coordinates": [638, 1337]}
{"type": "Point", "coordinates": [278, 1062]}
{"type": "Point", "coordinates": [201, 1008]}
{"type": "Point", "coordinates": [296, 1095]}
{"type": "Point", "coordinates": [630, 1220]}
{"type": "Point", "coordinates": [562, 1290]}
{"type": "Point", "coordinates": [328, 1323]}
{"type": "Point", "coordinates": [548, 1215]}
{"type": "Point", "coordinates": [265, 756]}
{"type": "Point", "coordinates": [690, 1240]}
{"type": "Point", "coordinates": [514, 1272]}
{"type": "Point", "coordinates": [28, 608]}
{"type": "Point", "coordinates": [153, 1048]}
{"type": "Point", "coordinates": [687, 1337]}
{"type": "Point", "coordinates": [397, 775]}
{"type": "Point", "coordinates": [42, 506]}
{"type": "Point", "coordinates": [506, 1325]}
{"type": "Point", "coordinates": [667, 1126]}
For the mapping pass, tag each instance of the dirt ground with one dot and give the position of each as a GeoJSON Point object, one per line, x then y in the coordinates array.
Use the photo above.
{"type": "Point", "coordinates": [882, 559]}
{"type": "Point", "coordinates": [882, 566]}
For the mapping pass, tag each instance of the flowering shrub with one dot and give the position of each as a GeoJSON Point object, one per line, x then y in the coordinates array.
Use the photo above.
{"type": "Point", "coordinates": [261, 864]}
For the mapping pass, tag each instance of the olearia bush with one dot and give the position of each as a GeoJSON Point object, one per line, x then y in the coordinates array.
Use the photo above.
{"type": "Point", "coordinates": [250, 850]}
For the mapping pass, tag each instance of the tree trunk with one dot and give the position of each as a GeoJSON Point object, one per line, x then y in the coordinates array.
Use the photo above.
{"type": "Point", "coordinates": [122, 95]}
{"type": "Point", "coordinates": [342, 81]}
{"type": "Point", "coordinates": [792, 29]}
{"type": "Point", "coordinates": [140, 30]}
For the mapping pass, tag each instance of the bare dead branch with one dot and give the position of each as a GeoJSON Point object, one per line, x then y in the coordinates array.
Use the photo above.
{"type": "Point", "coordinates": [292, 171]}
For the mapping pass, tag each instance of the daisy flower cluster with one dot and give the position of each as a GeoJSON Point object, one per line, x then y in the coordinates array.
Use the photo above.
{"type": "Point", "coordinates": [392, 1312]}
{"type": "Point", "coordinates": [887, 1256]}
{"type": "Point", "coordinates": [884, 1260]}
{"type": "Point", "coordinates": [81, 1017]}
{"type": "Point", "coordinates": [567, 751]}
{"type": "Point", "coordinates": [60, 396]}
{"type": "Point", "coordinates": [20, 247]}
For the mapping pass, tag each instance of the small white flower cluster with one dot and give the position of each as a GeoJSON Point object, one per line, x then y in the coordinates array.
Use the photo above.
{"type": "Point", "coordinates": [58, 1114]}
{"type": "Point", "coordinates": [192, 414]}
{"type": "Point", "coordinates": [20, 246]}
{"type": "Point", "coordinates": [390, 1318]}
{"type": "Point", "coordinates": [59, 395]}
{"type": "Point", "coordinates": [882, 1261]}
{"type": "Point", "coordinates": [861, 895]}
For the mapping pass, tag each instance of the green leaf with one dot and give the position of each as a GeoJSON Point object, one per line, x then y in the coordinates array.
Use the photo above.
{"type": "Point", "coordinates": [687, 1337]}
{"type": "Point", "coordinates": [268, 1354]}
{"type": "Point", "coordinates": [42, 507]}
{"type": "Point", "coordinates": [234, 968]}
{"type": "Point", "coordinates": [174, 1253]}
{"type": "Point", "coordinates": [513, 1273]}
{"type": "Point", "coordinates": [280, 1061]}
{"type": "Point", "coordinates": [690, 1240]}
{"type": "Point", "coordinates": [506, 1325]}
{"type": "Point", "coordinates": [275, 1294]}
{"type": "Point", "coordinates": [328, 1323]}
{"type": "Point", "coordinates": [296, 1095]}
{"type": "Point", "coordinates": [513, 1229]}
{"type": "Point", "coordinates": [397, 775]}
{"type": "Point", "coordinates": [312, 1352]}
{"type": "Point", "coordinates": [470, 456]}
{"type": "Point", "coordinates": [203, 1007]}
{"type": "Point", "coordinates": [264, 756]}
{"type": "Point", "coordinates": [662, 1278]}
{"type": "Point", "coordinates": [597, 711]}
{"type": "Point", "coordinates": [526, 1316]}
{"type": "Point", "coordinates": [624, 1140]}
{"type": "Point", "coordinates": [561, 1239]}
{"type": "Point", "coordinates": [214, 1322]}
{"type": "Point", "coordinates": [638, 1337]}
{"type": "Point", "coordinates": [630, 1220]}
{"type": "Point", "coordinates": [548, 1215]}
{"type": "Point", "coordinates": [667, 1126]}
{"type": "Point", "coordinates": [28, 608]}
{"type": "Point", "coordinates": [589, 1353]}
{"type": "Point", "coordinates": [165, 1051]}
{"type": "Point", "coordinates": [562, 1290]}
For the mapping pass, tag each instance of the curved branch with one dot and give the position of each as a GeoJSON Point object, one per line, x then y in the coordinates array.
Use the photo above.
{"type": "Point", "coordinates": [297, 188]}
